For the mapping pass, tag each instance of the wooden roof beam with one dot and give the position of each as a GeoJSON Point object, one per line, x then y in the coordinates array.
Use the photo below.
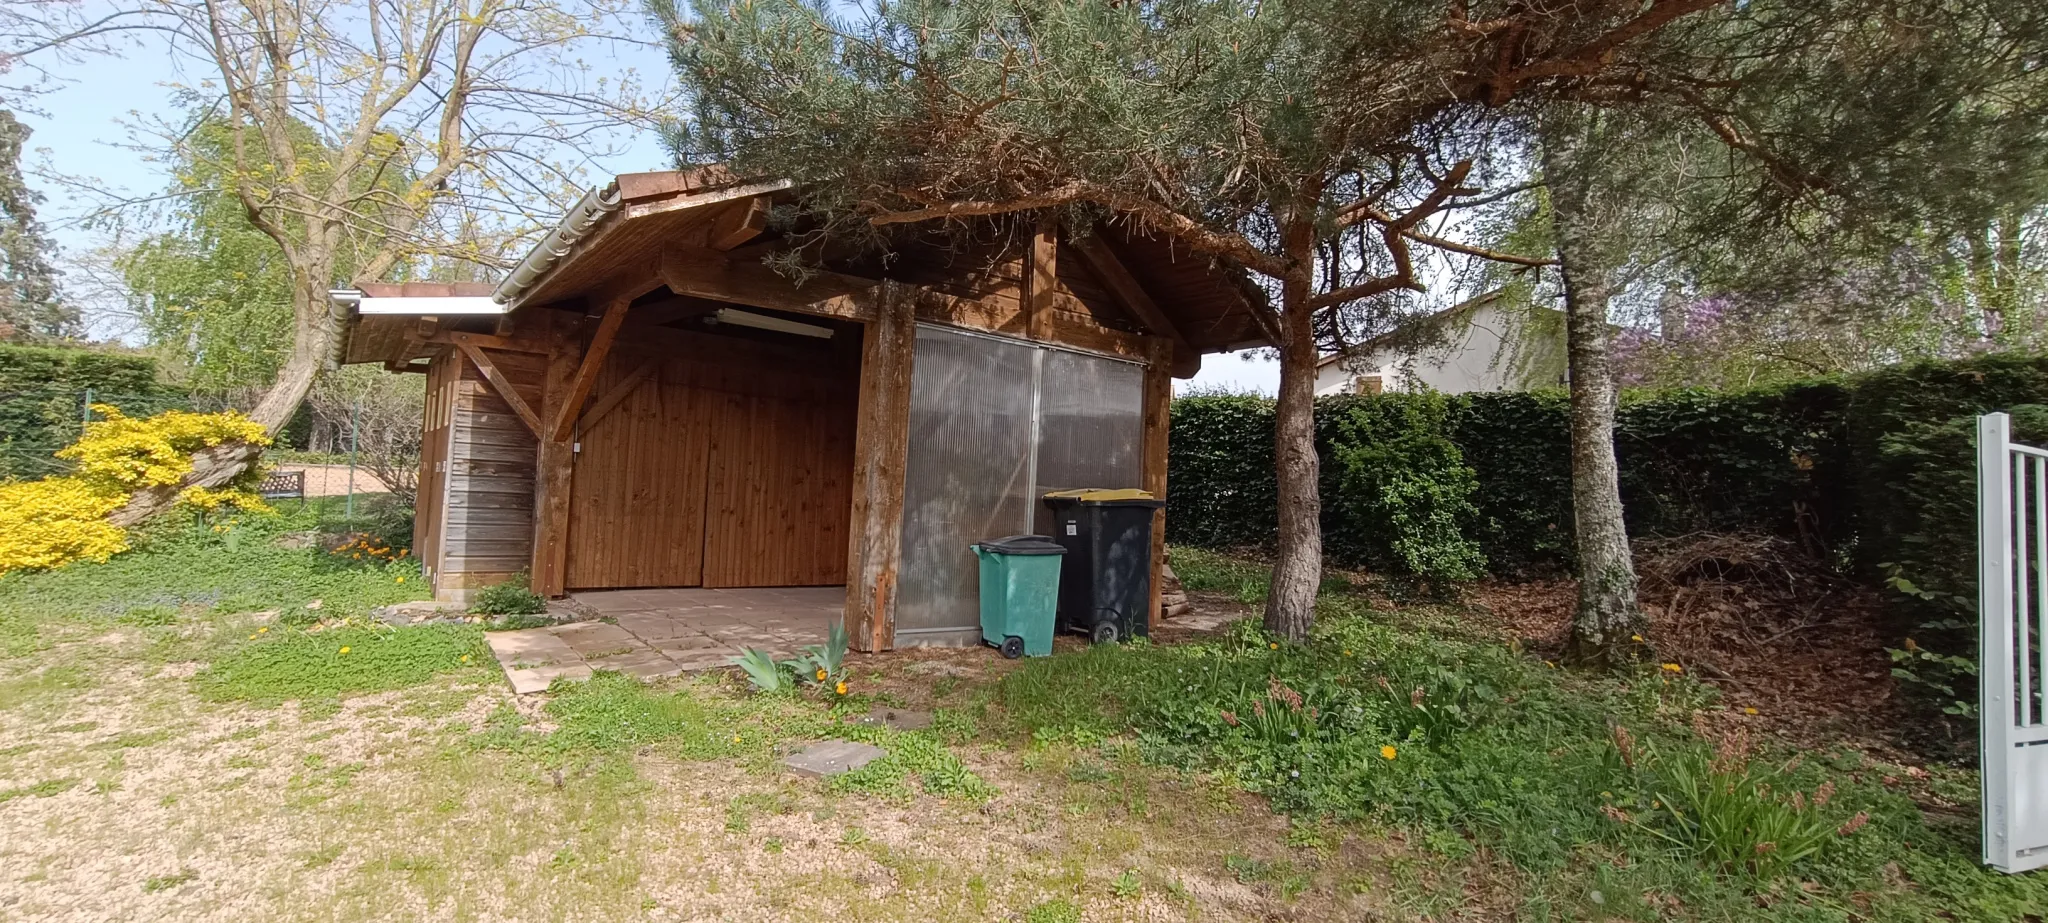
{"type": "Point", "coordinates": [739, 224]}
{"type": "Point", "coordinates": [1111, 269]}
{"type": "Point", "coordinates": [705, 274]}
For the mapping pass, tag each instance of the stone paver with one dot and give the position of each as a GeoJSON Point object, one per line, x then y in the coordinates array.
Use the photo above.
{"type": "Point", "coordinates": [654, 633]}
{"type": "Point", "coordinates": [832, 757]}
{"type": "Point", "coordinates": [539, 678]}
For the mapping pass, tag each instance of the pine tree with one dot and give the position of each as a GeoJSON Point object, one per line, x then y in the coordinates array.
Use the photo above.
{"type": "Point", "coordinates": [1268, 136]}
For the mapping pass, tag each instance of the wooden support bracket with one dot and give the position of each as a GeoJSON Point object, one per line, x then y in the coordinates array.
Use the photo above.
{"type": "Point", "coordinates": [586, 373]}
{"type": "Point", "coordinates": [503, 386]}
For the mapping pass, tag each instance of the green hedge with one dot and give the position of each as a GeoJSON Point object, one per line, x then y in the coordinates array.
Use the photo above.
{"type": "Point", "coordinates": [1874, 474]}
{"type": "Point", "coordinates": [1496, 467]}
{"type": "Point", "coordinates": [43, 395]}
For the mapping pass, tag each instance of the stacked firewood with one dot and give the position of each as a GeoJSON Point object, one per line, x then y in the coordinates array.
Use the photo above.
{"type": "Point", "coordinates": [1173, 600]}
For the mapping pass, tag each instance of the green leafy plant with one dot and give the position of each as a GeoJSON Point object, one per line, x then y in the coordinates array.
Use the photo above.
{"type": "Point", "coordinates": [1398, 469]}
{"type": "Point", "coordinates": [765, 672]}
{"type": "Point", "coordinates": [824, 665]}
{"type": "Point", "coordinates": [1726, 807]}
{"type": "Point", "coordinates": [511, 597]}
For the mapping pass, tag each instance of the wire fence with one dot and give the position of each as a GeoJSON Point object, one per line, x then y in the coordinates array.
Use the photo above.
{"type": "Point", "coordinates": [36, 422]}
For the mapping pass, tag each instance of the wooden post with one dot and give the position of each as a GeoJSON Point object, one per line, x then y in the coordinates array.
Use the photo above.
{"type": "Point", "coordinates": [881, 449]}
{"type": "Point", "coordinates": [553, 468]}
{"type": "Point", "coordinates": [1041, 280]}
{"type": "Point", "coordinates": [1158, 420]}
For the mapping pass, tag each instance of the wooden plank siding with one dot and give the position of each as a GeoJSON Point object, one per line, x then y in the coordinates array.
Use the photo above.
{"type": "Point", "coordinates": [485, 514]}
{"type": "Point", "coordinates": [636, 507]}
{"type": "Point", "coordinates": [730, 465]}
{"type": "Point", "coordinates": [779, 489]}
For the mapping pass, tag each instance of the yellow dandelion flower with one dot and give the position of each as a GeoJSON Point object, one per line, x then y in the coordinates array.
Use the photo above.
{"type": "Point", "coordinates": [252, 637]}
{"type": "Point", "coordinates": [399, 580]}
{"type": "Point", "coordinates": [264, 630]}
{"type": "Point", "coordinates": [465, 658]}
{"type": "Point", "coordinates": [1749, 711]}
{"type": "Point", "coordinates": [735, 738]}
{"type": "Point", "coordinates": [1673, 668]}
{"type": "Point", "coordinates": [842, 687]}
{"type": "Point", "coordinates": [1272, 645]}
{"type": "Point", "coordinates": [1347, 653]}
{"type": "Point", "coordinates": [1636, 638]}
{"type": "Point", "coordinates": [1388, 752]}
{"type": "Point", "coordinates": [344, 648]}
{"type": "Point", "coordinates": [821, 675]}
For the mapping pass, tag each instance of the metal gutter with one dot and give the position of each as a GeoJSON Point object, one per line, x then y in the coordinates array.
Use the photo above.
{"type": "Point", "coordinates": [560, 242]}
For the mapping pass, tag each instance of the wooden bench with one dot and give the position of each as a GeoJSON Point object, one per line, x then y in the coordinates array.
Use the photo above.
{"type": "Point", "coordinates": [283, 485]}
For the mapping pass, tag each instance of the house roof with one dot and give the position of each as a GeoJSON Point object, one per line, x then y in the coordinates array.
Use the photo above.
{"type": "Point", "coordinates": [622, 230]}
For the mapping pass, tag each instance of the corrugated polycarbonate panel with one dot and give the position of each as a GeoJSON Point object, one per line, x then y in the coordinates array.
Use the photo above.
{"type": "Point", "coordinates": [968, 475]}
{"type": "Point", "coordinates": [1091, 425]}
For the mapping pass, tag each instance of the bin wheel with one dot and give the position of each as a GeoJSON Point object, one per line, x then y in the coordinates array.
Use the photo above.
{"type": "Point", "coordinates": [1013, 647]}
{"type": "Point", "coordinates": [1105, 633]}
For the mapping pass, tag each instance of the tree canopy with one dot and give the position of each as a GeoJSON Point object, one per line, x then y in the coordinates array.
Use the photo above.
{"type": "Point", "coordinates": [31, 306]}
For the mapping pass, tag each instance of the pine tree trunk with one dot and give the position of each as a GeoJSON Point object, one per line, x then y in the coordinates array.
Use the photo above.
{"type": "Point", "coordinates": [1608, 626]}
{"type": "Point", "coordinates": [316, 344]}
{"type": "Point", "coordinates": [1298, 566]}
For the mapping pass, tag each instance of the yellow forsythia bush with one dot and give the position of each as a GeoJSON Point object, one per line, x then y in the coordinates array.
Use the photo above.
{"type": "Point", "coordinates": [58, 520]}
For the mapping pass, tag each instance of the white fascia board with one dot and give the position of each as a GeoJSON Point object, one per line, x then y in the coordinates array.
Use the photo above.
{"type": "Point", "coordinates": [431, 305]}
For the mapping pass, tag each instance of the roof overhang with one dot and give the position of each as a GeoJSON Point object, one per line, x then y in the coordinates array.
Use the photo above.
{"type": "Point", "coordinates": [695, 232]}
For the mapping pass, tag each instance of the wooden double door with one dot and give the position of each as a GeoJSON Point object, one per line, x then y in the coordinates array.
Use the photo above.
{"type": "Point", "coordinates": [719, 462]}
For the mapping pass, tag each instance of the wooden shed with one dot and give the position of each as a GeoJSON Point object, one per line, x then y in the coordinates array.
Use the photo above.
{"type": "Point", "coordinates": [646, 402]}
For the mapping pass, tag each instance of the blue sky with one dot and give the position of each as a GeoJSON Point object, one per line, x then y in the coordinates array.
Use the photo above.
{"type": "Point", "coordinates": [79, 132]}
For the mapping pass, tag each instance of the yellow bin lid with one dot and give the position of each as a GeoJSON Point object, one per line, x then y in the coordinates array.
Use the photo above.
{"type": "Point", "coordinates": [1100, 495]}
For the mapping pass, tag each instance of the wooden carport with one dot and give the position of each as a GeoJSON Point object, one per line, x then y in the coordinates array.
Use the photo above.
{"type": "Point", "coordinates": [621, 322]}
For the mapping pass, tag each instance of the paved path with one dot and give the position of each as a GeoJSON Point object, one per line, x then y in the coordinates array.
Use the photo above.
{"type": "Point", "coordinates": [332, 480]}
{"type": "Point", "coordinates": [651, 633]}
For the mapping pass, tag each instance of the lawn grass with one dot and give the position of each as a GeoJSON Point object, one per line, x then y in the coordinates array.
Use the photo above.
{"type": "Point", "coordinates": [293, 664]}
{"type": "Point", "coordinates": [258, 562]}
{"type": "Point", "coordinates": [1488, 756]}
{"type": "Point", "coordinates": [1442, 774]}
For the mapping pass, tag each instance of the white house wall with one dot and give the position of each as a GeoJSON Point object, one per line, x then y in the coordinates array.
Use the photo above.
{"type": "Point", "coordinates": [1492, 355]}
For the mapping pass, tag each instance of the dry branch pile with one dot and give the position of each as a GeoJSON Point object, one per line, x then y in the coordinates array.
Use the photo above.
{"type": "Point", "coordinates": [1776, 630]}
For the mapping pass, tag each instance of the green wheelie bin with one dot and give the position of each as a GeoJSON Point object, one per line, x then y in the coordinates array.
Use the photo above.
{"type": "Point", "coordinates": [1020, 590]}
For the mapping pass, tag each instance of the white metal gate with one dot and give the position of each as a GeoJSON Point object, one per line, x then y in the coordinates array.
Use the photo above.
{"type": "Point", "coordinates": [2012, 562]}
